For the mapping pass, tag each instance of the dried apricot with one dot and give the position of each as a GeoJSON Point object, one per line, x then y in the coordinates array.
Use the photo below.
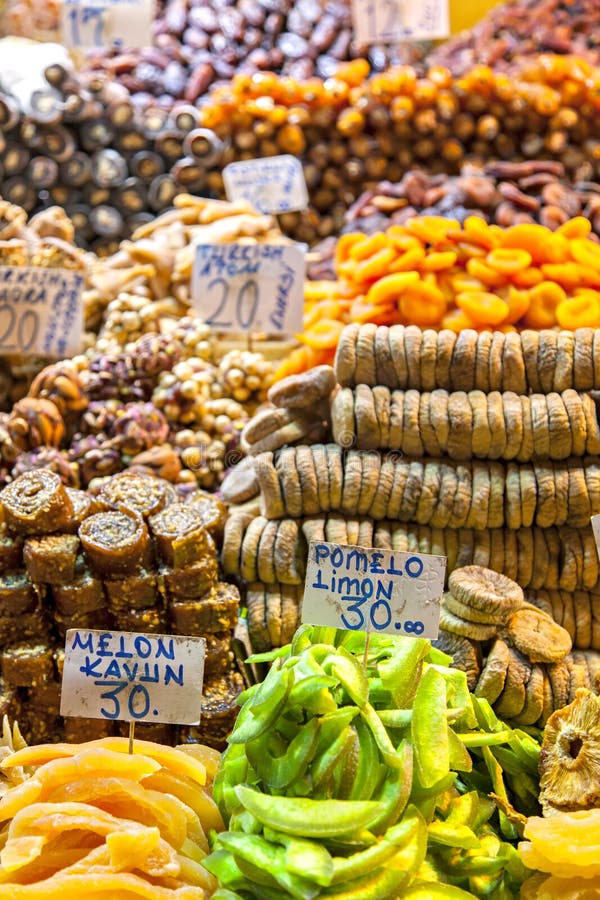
{"type": "Point", "coordinates": [423, 304]}
{"type": "Point", "coordinates": [483, 308]}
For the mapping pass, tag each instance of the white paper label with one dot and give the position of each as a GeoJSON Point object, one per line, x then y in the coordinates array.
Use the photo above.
{"type": "Point", "coordinates": [40, 311]}
{"type": "Point", "coordinates": [395, 21]}
{"type": "Point", "coordinates": [272, 184]}
{"type": "Point", "coordinates": [102, 23]}
{"type": "Point", "coordinates": [595, 520]}
{"type": "Point", "coordinates": [365, 589]}
{"type": "Point", "coordinates": [133, 677]}
{"type": "Point", "coordinates": [250, 287]}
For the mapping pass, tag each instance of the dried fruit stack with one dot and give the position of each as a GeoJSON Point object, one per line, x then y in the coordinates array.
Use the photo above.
{"type": "Point", "coordinates": [502, 192]}
{"type": "Point", "coordinates": [436, 273]}
{"type": "Point", "coordinates": [515, 655]}
{"type": "Point", "coordinates": [516, 496]}
{"type": "Point", "coordinates": [133, 557]}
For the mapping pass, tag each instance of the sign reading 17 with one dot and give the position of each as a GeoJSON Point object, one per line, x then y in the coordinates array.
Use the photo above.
{"type": "Point", "coordinates": [91, 18]}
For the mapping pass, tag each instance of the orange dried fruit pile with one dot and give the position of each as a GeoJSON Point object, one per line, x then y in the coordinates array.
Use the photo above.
{"type": "Point", "coordinates": [93, 821]}
{"type": "Point", "coordinates": [435, 273]}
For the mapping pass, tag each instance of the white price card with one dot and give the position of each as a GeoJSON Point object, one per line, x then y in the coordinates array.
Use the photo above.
{"type": "Point", "coordinates": [40, 311]}
{"type": "Point", "coordinates": [595, 520]}
{"type": "Point", "coordinates": [397, 21]}
{"type": "Point", "coordinates": [365, 589]}
{"type": "Point", "coordinates": [272, 184]}
{"type": "Point", "coordinates": [245, 288]}
{"type": "Point", "coordinates": [101, 23]}
{"type": "Point", "coordinates": [133, 677]}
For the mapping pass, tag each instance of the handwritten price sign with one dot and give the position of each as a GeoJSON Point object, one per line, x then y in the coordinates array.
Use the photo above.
{"type": "Point", "coordinates": [361, 589]}
{"type": "Point", "coordinates": [394, 21]}
{"type": "Point", "coordinates": [100, 23]}
{"type": "Point", "coordinates": [274, 184]}
{"type": "Point", "coordinates": [133, 677]}
{"type": "Point", "coordinates": [246, 288]}
{"type": "Point", "coordinates": [40, 311]}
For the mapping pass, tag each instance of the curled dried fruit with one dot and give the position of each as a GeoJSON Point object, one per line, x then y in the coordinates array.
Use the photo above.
{"type": "Point", "coordinates": [570, 756]}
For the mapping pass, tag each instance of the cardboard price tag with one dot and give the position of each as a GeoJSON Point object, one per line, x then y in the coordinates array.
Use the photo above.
{"type": "Point", "coordinates": [273, 184]}
{"type": "Point", "coordinates": [245, 288]}
{"type": "Point", "coordinates": [397, 21]}
{"type": "Point", "coordinates": [40, 311]}
{"type": "Point", "coordinates": [100, 23]}
{"type": "Point", "coordinates": [364, 589]}
{"type": "Point", "coordinates": [133, 677]}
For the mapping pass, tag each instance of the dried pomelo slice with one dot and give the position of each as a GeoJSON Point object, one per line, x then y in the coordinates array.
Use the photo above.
{"type": "Point", "coordinates": [570, 838]}
{"type": "Point", "coordinates": [189, 793]}
{"type": "Point", "coordinates": [146, 852]}
{"type": "Point", "coordinates": [124, 885]}
{"type": "Point", "coordinates": [128, 800]}
{"type": "Point", "coordinates": [21, 851]}
{"type": "Point", "coordinates": [96, 764]}
{"type": "Point", "coordinates": [485, 590]}
{"type": "Point", "coordinates": [18, 797]}
{"type": "Point", "coordinates": [168, 757]}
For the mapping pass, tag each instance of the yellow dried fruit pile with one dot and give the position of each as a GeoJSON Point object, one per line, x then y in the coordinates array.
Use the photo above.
{"type": "Point", "coordinates": [433, 273]}
{"type": "Point", "coordinates": [94, 821]}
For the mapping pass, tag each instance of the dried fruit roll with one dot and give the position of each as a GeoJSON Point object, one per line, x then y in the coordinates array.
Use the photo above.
{"type": "Point", "coordinates": [84, 594]}
{"type": "Point", "coordinates": [467, 425]}
{"type": "Point", "coordinates": [512, 362]}
{"type": "Point", "coordinates": [219, 710]}
{"type": "Point", "coordinates": [115, 543]}
{"type": "Point", "coordinates": [152, 620]}
{"type": "Point", "coordinates": [11, 550]}
{"type": "Point", "coordinates": [138, 591]}
{"type": "Point", "coordinates": [212, 512]}
{"type": "Point", "coordinates": [27, 664]}
{"type": "Point", "coordinates": [17, 594]}
{"type": "Point", "coordinates": [180, 537]}
{"type": "Point", "coordinates": [190, 582]}
{"type": "Point", "coordinates": [36, 503]}
{"type": "Point", "coordinates": [83, 506]}
{"type": "Point", "coordinates": [217, 611]}
{"type": "Point", "coordinates": [138, 493]}
{"type": "Point", "coordinates": [51, 558]}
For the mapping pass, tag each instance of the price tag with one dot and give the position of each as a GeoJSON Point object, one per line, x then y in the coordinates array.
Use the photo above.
{"type": "Point", "coordinates": [395, 21]}
{"type": "Point", "coordinates": [250, 287]}
{"type": "Point", "coordinates": [364, 589]}
{"type": "Point", "coordinates": [595, 520]}
{"type": "Point", "coordinates": [40, 311]}
{"type": "Point", "coordinates": [133, 677]}
{"type": "Point", "coordinates": [273, 184]}
{"type": "Point", "coordinates": [101, 23]}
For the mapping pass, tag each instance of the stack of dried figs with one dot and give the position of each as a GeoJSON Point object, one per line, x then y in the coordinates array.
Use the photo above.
{"type": "Point", "coordinates": [439, 447]}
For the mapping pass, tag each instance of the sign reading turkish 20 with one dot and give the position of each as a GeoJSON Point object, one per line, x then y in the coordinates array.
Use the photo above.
{"type": "Point", "coordinates": [364, 589]}
{"type": "Point", "coordinates": [132, 677]}
{"type": "Point", "coordinates": [40, 311]}
{"type": "Point", "coordinates": [100, 23]}
{"type": "Point", "coordinates": [272, 184]}
{"type": "Point", "coordinates": [250, 288]}
{"type": "Point", "coordinates": [396, 21]}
